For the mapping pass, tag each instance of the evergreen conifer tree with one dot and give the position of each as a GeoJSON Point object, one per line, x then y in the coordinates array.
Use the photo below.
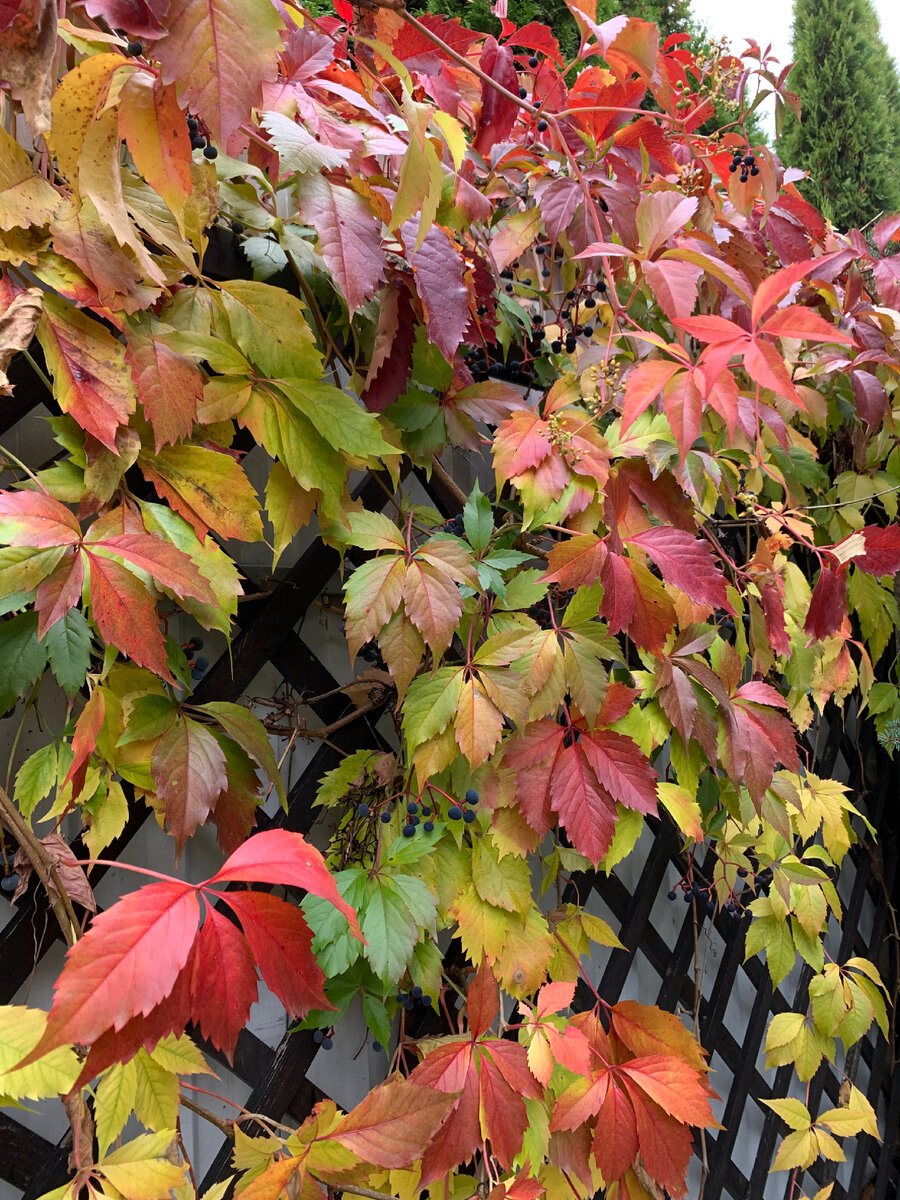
{"type": "Point", "coordinates": [849, 135]}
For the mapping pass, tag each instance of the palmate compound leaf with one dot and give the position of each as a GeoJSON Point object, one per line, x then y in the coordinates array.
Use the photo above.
{"type": "Point", "coordinates": [394, 1124]}
{"type": "Point", "coordinates": [127, 975]}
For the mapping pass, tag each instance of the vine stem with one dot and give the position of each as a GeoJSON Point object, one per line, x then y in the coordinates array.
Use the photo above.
{"type": "Point", "coordinates": [44, 866]}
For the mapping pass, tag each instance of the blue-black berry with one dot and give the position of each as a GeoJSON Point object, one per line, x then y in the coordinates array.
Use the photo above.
{"type": "Point", "coordinates": [409, 830]}
{"type": "Point", "coordinates": [426, 811]}
{"type": "Point", "coordinates": [522, 93]}
{"type": "Point", "coordinates": [471, 794]}
{"type": "Point", "coordinates": [428, 826]}
{"type": "Point", "coordinates": [318, 1036]}
{"type": "Point", "coordinates": [377, 1046]}
{"type": "Point", "coordinates": [533, 61]}
{"type": "Point", "coordinates": [670, 895]}
{"type": "Point", "coordinates": [362, 810]}
{"type": "Point", "coordinates": [197, 142]}
{"type": "Point", "coordinates": [412, 808]}
{"type": "Point", "coordinates": [327, 1043]}
{"type": "Point", "coordinates": [385, 817]}
{"type": "Point", "coordinates": [454, 812]}
{"type": "Point", "coordinates": [688, 897]}
{"type": "Point", "coordinates": [743, 872]}
{"type": "Point", "coordinates": [133, 49]}
{"type": "Point", "coordinates": [542, 126]}
{"type": "Point", "coordinates": [210, 152]}
{"type": "Point", "coordinates": [417, 993]}
{"type": "Point", "coordinates": [469, 816]}
{"type": "Point", "coordinates": [427, 1001]}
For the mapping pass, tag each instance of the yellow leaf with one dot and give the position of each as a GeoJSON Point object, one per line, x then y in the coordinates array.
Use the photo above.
{"type": "Point", "coordinates": [114, 1103]}
{"type": "Point", "coordinates": [482, 927]}
{"type": "Point", "coordinates": [504, 882]}
{"type": "Point", "coordinates": [156, 1095]}
{"type": "Point", "coordinates": [479, 724]}
{"type": "Point", "coordinates": [528, 947]}
{"type": "Point", "coordinates": [20, 1031]}
{"type": "Point", "coordinates": [153, 126]}
{"type": "Point", "coordinates": [26, 198]}
{"type": "Point", "coordinates": [857, 1116]}
{"type": "Point", "coordinates": [252, 1155]}
{"type": "Point", "coordinates": [799, 1149]}
{"type": "Point", "coordinates": [599, 931]}
{"type": "Point", "coordinates": [683, 808]}
{"type": "Point", "coordinates": [143, 1169]}
{"type": "Point", "coordinates": [76, 102]}
{"type": "Point", "coordinates": [792, 1112]}
{"type": "Point", "coordinates": [453, 135]}
{"type": "Point", "coordinates": [180, 1055]}
{"type": "Point", "coordinates": [828, 1147]}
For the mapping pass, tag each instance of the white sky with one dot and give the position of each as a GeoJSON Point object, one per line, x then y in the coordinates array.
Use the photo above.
{"type": "Point", "coordinates": [769, 21]}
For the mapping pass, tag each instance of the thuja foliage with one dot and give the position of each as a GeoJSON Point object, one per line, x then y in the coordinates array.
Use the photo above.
{"type": "Point", "coordinates": [849, 135]}
{"type": "Point", "coordinates": [680, 381]}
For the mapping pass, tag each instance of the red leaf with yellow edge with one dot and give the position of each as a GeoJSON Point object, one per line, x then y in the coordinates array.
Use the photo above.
{"type": "Point", "coordinates": [91, 381]}
{"type": "Point", "coordinates": [685, 562]}
{"type": "Point", "coordinates": [643, 384]}
{"type": "Point", "coordinates": [223, 982]}
{"type": "Point", "coordinates": [520, 444]}
{"type": "Point", "coordinates": [615, 1143]}
{"type": "Point", "coordinates": [460, 1135]}
{"type": "Point", "coordinates": [622, 769]}
{"type": "Point", "coordinates": [281, 943]}
{"type": "Point", "coordinates": [188, 767]}
{"type": "Point", "coordinates": [280, 857]}
{"type": "Point", "coordinates": [126, 964]}
{"type": "Point", "coordinates": [169, 385]}
{"type": "Point", "coordinates": [395, 1123]}
{"type": "Point", "coordinates": [154, 127]}
{"type": "Point", "coordinates": [208, 488]}
{"type": "Point", "coordinates": [434, 604]}
{"type": "Point", "coordinates": [35, 519]}
{"type": "Point", "coordinates": [576, 562]}
{"type": "Point", "coordinates": [169, 567]}
{"type": "Point", "coordinates": [647, 1030]}
{"type": "Point", "coordinates": [673, 1085]}
{"type": "Point", "coordinates": [580, 1101]}
{"type": "Point", "coordinates": [125, 615]}
{"type": "Point", "coordinates": [586, 810]}
{"type": "Point", "coordinates": [87, 729]}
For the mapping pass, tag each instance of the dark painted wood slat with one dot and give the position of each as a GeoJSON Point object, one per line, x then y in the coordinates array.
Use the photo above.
{"type": "Point", "coordinates": [21, 1151]}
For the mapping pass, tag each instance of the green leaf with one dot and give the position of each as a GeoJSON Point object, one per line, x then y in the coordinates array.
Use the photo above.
{"type": "Point", "coordinates": [22, 658]}
{"type": "Point", "coordinates": [332, 943]}
{"type": "Point", "coordinates": [69, 650]}
{"type": "Point", "coordinates": [431, 704]}
{"type": "Point", "coordinates": [391, 927]}
{"type": "Point", "coordinates": [376, 1018]}
{"type": "Point", "coordinates": [35, 778]}
{"type": "Point", "coordinates": [343, 423]}
{"type": "Point", "coordinates": [478, 521]}
{"type": "Point", "coordinates": [269, 325]}
{"type": "Point", "coordinates": [247, 730]}
{"type": "Point", "coordinates": [524, 589]}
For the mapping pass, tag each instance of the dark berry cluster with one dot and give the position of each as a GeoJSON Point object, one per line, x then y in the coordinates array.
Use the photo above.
{"type": "Point", "coordinates": [199, 141]}
{"type": "Point", "coordinates": [693, 890]}
{"type": "Point", "coordinates": [134, 49]}
{"type": "Point", "coordinates": [198, 664]}
{"type": "Point", "coordinates": [323, 1039]}
{"type": "Point", "coordinates": [414, 996]}
{"type": "Point", "coordinates": [456, 813]}
{"type": "Point", "coordinates": [455, 525]}
{"type": "Point", "coordinates": [514, 370]}
{"type": "Point", "coordinates": [745, 163]}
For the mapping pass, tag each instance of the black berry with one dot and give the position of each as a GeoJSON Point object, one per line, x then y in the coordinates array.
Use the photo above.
{"type": "Point", "coordinates": [533, 61]}
{"type": "Point", "coordinates": [192, 126]}
{"type": "Point", "coordinates": [556, 346]}
{"type": "Point", "coordinates": [318, 1036]}
{"type": "Point", "coordinates": [417, 993]}
{"type": "Point", "coordinates": [469, 816]}
{"type": "Point", "coordinates": [522, 93]}
{"type": "Point", "coordinates": [454, 812]}
{"type": "Point", "coordinates": [210, 152]}
{"type": "Point", "coordinates": [197, 142]}
{"type": "Point", "coordinates": [409, 830]}
{"type": "Point", "coordinates": [743, 872]}
{"type": "Point", "coordinates": [327, 1043]}
{"type": "Point", "coordinates": [362, 810]}
{"type": "Point", "coordinates": [428, 826]}
{"type": "Point", "coordinates": [133, 49]}
{"type": "Point", "coordinates": [541, 126]}
{"type": "Point", "coordinates": [236, 227]}
{"type": "Point", "coordinates": [670, 895]}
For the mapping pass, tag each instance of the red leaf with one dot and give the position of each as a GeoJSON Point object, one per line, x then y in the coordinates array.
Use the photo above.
{"type": "Point", "coordinates": [170, 567]}
{"type": "Point", "coordinates": [799, 322]}
{"type": "Point", "coordinates": [659, 215]}
{"type": "Point", "coordinates": [87, 730]}
{"type": "Point", "coordinates": [125, 964]}
{"type": "Point", "coordinates": [622, 769]}
{"type": "Point", "coordinates": [503, 1112]}
{"type": "Point", "coordinates": [685, 562]}
{"type": "Point", "coordinates": [882, 556]}
{"type": "Point", "coordinates": [773, 610]}
{"type": "Point", "coordinates": [60, 591]}
{"type": "Point", "coordinates": [498, 115]}
{"type": "Point", "coordinates": [577, 561]}
{"type": "Point", "coordinates": [643, 385]}
{"type": "Point", "coordinates": [349, 236]}
{"type": "Point", "coordinates": [142, 18]}
{"type": "Point", "coordinates": [586, 810]}
{"type": "Point", "coordinates": [460, 1135]}
{"type": "Point", "coordinates": [33, 519]}
{"type": "Point", "coordinates": [395, 1123]}
{"type": "Point", "coordinates": [169, 385]}
{"type": "Point", "coordinates": [439, 275]}
{"type": "Point", "coordinates": [683, 406]}
{"type": "Point", "coordinates": [674, 284]}
{"type": "Point", "coordinates": [391, 360]}
{"type": "Point", "coordinates": [277, 856]}
{"type": "Point", "coordinates": [648, 1030]}
{"type": "Point", "coordinates": [828, 605]}
{"type": "Point", "coordinates": [188, 767]}
{"type": "Point", "coordinates": [558, 202]}
{"type": "Point", "coordinates": [483, 1000]}
{"type": "Point", "coordinates": [776, 286]}
{"type": "Point", "coordinates": [126, 616]}
{"type": "Point", "coordinates": [536, 37]}
{"type": "Point", "coordinates": [665, 1144]}
{"type": "Point", "coordinates": [870, 397]}
{"type": "Point", "coordinates": [714, 330]}
{"type": "Point", "coordinates": [673, 1085]}
{"type": "Point", "coordinates": [532, 757]}
{"type": "Point", "coordinates": [222, 981]}
{"type": "Point", "coordinates": [281, 943]}
{"type": "Point", "coordinates": [615, 1136]}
